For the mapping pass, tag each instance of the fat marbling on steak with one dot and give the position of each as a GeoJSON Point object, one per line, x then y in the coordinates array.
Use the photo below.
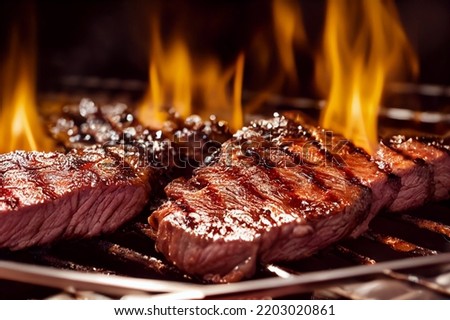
{"type": "Point", "coordinates": [280, 190]}
{"type": "Point", "coordinates": [47, 196]}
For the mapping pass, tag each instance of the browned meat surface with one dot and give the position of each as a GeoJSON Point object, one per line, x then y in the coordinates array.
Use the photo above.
{"type": "Point", "coordinates": [435, 154]}
{"type": "Point", "coordinates": [104, 180]}
{"type": "Point", "coordinates": [49, 196]}
{"type": "Point", "coordinates": [384, 186]}
{"type": "Point", "coordinates": [416, 176]}
{"type": "Point", "coordinates": [359, 165]}
{"type": "Point", "coordinates": [178, 147]}
{"type": "Point", "coordinates": [281, 190]}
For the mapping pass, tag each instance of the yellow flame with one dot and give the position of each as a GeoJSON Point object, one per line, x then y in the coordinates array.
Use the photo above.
{"type": "Point", "coordinates": [189, 83]}
{"type": "Point", "coordinates": [289, 34]}
{"type": "Point", "coordinates": [364, 45]}
{"type": "Point", "coordinates": [273, 54]}
{"type": "Point", "coordinates": [197, 83]}
{"type": "Point", "coordinates": [20, 126]}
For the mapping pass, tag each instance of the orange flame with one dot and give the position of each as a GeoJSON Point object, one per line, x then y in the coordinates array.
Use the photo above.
{"type": "Point", "coordinates": [190, 84]}
{"type": "Point", "coordinates": [194, 83]}
{"type": "Point", "coordinates": [289, 34]}
{"type": "Point", "coordinates": [364, 45]}
{"type": "Point", "coordinates": [20, 127]}
{"type": "Point", "coordinates": [272, 56]}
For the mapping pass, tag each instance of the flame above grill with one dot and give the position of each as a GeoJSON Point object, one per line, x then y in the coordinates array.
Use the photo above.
{"type": "Point", "coordinates": [364, 46]}
{"type": "Point", "coordinates": [20, 126]}
{"type": "Point", "coordinates": [189, 83]}
{"type": "Point", "coordinates": [195, 82]}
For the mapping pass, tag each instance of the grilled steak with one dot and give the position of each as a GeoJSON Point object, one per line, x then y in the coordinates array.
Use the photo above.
{"type": "Point", "coordinates": [435, 154]}
{"type": "Point", "coordinates": [281, 190]}
{"type": "Point", "coordinates": [271, 194]}
{"type": "Point", "coordinates": [178, 147]}
{"type": "Point", "coordinates": [48, 196]}
{"type": "Point", "coordinates": [104, 180]}
{"type": "Point", "coordinates": [359, 165]}
{"type": "Point", "coordinates": [416, 177]}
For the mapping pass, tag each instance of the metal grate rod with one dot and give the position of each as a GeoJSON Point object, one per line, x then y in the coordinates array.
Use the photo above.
{"type": "Point", "coordinates": [427, 224]}
{"type": "Point", "coordinates": [398, 244]}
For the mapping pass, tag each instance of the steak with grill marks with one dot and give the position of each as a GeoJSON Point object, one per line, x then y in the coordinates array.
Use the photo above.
{"type": "Point", "coordinates": [359, 165]}
{"type": "Point", "coordinates": [417, 186]}
{"type": "Point", "coordinates": [103, 181]}
{"type": "Point", "coordinates": [435, 154]}
{"type": "Point", "coordinates": [260, 200]}
{"type": "Point", "coordinates": [50, 196]}
{"type": "Point", "coordinates": [280, 190]}
{"type": "Point", "coordinates": [178, 147]}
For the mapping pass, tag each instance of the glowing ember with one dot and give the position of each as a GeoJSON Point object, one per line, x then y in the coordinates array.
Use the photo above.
{"type": "Point", "coordinates": [20, 126]}
{"type": "Point", "coordinates": [363, 47]}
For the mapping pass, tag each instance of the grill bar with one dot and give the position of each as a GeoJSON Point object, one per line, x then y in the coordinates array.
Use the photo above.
{"type": "Point", "coordinates": [356, 257]}
{"type": "Point", "coordinates": [404, 277]}
{"type": "Point", "coordinates": [427, 224]}
{"type": "Point", "coordinates": [395, 244]}
{"type": "Point", "coordinates": [398, 244]}
{"type": "Point", "coordinates": [133, 247]}
{"type": "Point", "coordinates": [60, 263]}
{"type": "Point", "coordinates": [118, 285]}
{"type": "Point", "coordinates": [131, 256]}
{"type": "Point", "coordinates": [431, 285]}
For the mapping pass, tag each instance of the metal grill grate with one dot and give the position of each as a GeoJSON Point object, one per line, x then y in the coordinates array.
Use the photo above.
{"type": "Point", "coordinates": [392, 237]}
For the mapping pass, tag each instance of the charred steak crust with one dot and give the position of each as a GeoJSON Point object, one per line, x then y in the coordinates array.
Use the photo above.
{"type": "Point", "coordinates": [280, 189]}
{"type": "Point", "coordinates": [105, 179]}
{"type": "Point", "coordinates": [49, 196]}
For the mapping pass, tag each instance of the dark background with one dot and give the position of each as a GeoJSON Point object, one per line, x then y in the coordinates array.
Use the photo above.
{"type": "Point", "coordinates": [110, 39]}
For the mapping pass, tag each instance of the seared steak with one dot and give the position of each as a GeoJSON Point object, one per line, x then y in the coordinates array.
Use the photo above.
{"type": "Point", "coordinates": [262, 199]}
{"type": "Point", "coordinates": [416, 176]}
{"type": "Point", "coordinates": [435, 154]}
{"type": "Point", "coordinates": [49, 196]}
{"type": "Point", "coordinates": [178, 147]}
{"type": "Point", "coordinates": [361, 166]}
{"type": "Point", "coordinates": [104, 180]}
{"type": "Point", "coordinates": [281, 190]}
